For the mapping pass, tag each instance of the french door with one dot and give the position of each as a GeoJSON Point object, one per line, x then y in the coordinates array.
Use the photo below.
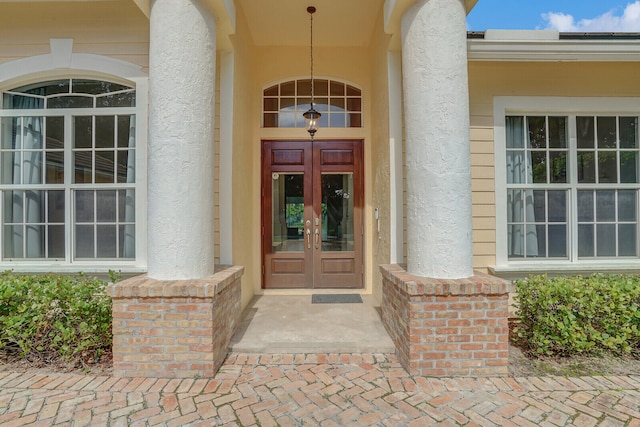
{"type": "Point", "coordinates": [312, 225]}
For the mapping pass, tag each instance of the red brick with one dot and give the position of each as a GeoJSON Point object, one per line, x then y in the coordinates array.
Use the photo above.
{"type": "Point", "coordinates": [459, 338]}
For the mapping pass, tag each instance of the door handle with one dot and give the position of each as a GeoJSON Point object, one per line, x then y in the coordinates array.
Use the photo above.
{"type": "Point", "coordinates": [308, 238]}
{"type": "Point", "coordinates": [317, 236]}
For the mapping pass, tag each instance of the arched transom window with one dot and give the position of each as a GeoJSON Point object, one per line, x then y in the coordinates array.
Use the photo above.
{"type": "Point", "coordinates": [340, 104]}
{"type": "Point", "coordinates": [68, 171]}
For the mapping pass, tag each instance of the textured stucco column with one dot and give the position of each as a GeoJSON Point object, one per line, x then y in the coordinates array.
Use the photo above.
{"type": "Point", "coordinates": [182, 64]}
{"type": "Point", "coordinates": [436, 108]}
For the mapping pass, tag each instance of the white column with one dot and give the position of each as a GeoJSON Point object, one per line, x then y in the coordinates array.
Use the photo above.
{"type": "Point", "coordinates": [182, 64]}
{"type": "Point", "coordinates": [436, 109]}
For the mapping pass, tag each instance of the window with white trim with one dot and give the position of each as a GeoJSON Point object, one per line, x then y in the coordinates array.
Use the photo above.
{"type": "Point", "coordinates": [68, 172]}
{"type": "Point", "coordinates": [567, 180]}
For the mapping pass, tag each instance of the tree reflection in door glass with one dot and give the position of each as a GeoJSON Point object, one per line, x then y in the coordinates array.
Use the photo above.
{"type": "Point", "coordinates": [287, 193]}
{"type": "Point", "coordinates": [337, 212]}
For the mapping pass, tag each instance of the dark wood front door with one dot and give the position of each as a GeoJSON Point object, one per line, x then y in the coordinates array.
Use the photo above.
{"type": "Point", "coordinates": [312, 226]}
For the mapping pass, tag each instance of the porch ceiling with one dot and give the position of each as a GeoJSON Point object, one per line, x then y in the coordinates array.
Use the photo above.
{"type": "Point", "coordinates": [335, 23]}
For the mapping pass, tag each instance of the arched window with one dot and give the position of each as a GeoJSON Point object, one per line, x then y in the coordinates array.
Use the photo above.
{"type": "Point", "coordinates": [340, 104]}
{"type": "Point", "coordinates": [68, 171]}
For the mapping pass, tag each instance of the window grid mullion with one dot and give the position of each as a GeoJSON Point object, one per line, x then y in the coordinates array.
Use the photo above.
{"type": "Point", "coordinates": [117, 224]}
{"type": "Point", "coordinates": [46, 223]}
{"type": "Point", "coordinates": [69, 204]}
{"type": "Point", "coordinates": [572, 205]}
{"type": "Point", "coordinates": [95, 223]}
{"type": "Point", "coordinates": [93, 149]}
{"type": "Point", "coordinates": [546, 150]}
{"type": "Point", "coordinates": [616, 219]}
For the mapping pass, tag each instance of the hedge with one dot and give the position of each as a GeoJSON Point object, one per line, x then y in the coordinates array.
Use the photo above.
{"type": "Point", "coordinates": [53, 317]}
{"type": "Point", "coordinates": [578, 315]}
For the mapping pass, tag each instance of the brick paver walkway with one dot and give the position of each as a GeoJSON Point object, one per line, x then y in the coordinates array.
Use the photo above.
{"type": "Point", "coordinates": [318, 389]}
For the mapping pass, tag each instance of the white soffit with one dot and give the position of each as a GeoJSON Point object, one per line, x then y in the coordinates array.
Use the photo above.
{"type": "Point", "coordinates": [548, 46]}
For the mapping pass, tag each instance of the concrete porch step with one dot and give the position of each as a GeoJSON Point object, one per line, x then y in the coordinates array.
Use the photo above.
{"type": "Point", "coordinates": [292, 324]}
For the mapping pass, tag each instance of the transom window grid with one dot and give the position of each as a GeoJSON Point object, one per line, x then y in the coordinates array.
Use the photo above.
{"type": "Point", "coordinates": [549, 194]}
{"type": "Point", "coordinates": [339, 103]}
{"type": "Point", "coordinates": [41, 196]}
{"type": "Point", "coordinates": [69, 93]}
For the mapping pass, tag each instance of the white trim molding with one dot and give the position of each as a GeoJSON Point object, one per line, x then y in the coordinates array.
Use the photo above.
{"type": "Point", "coordinates": [544, 46]}
{"type": "Point", "coordinates": [63, 60]}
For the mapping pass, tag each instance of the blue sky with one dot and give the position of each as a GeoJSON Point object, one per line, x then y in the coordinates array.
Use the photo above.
{"type": "Point", "coordinates": [563, 15]}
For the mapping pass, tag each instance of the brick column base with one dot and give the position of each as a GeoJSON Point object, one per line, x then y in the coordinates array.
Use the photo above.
{"type": "Point", "coordinates": [446, 327]}
{"type": "Point", "coordinates": [174, 328]}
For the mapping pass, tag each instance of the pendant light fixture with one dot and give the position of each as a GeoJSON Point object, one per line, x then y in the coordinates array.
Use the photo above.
{"type": "Point", "coordinates": [311, 115]}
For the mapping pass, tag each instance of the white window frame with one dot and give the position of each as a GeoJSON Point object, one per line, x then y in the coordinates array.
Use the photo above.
{"type": "Point", "coordinates": [555, 106]}
{"type": "Point", "coordinates": [69, 264]}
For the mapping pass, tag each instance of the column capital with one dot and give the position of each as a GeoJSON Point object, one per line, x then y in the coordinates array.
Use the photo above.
{"type": "Point", "coordinates": [222, 11]}
{"type": "Point", "coordinates": [394, 10]}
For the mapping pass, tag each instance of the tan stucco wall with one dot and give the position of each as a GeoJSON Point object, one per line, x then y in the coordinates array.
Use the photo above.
{"type": "Point", "coordinates": [380, 154]}
{"type": "Point", "coordinates": [489, 79]}
{"type": "Point", "coordinates": [245, 193]}
{"type": "Point", "coordinates": [114, 28]}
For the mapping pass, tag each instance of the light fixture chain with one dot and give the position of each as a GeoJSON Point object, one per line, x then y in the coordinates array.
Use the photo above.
{"type": "Point", "coordinates": [311, 26]}
{"type": "Point", "coordinates": [311, 115]}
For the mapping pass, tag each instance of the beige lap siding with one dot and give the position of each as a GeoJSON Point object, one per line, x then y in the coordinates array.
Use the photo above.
{"type": "Point", "coordinates": [117, 29]}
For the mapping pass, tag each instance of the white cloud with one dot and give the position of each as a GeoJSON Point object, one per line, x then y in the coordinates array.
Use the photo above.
{"type": "Point", "coordinates": [629, 21]}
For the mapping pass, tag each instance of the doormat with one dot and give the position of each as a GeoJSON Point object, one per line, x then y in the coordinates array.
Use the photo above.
{"type": "Point", "coordinates": [336, 299]}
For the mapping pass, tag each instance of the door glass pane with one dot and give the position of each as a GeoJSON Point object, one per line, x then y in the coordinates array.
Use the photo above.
{"type": "Point", "coordinates": [337, 212]}
{"type": "Point", "coordinates": [287, 201]}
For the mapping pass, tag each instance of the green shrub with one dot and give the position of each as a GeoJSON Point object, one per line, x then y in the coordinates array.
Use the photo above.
{"type": "Point", "coordinates": [570, 315]}
{"type": "Point", "coordinates": [53, 317]}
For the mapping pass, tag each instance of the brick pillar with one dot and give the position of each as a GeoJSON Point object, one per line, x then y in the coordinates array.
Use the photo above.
{"type": "Point", "coordinates": [447, 327]}
{"type": "Point", "coordinates": [174, 328]}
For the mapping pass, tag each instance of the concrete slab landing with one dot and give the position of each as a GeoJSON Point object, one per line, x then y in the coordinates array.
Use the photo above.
{"type": "Point", "coordinates": [291, 324]}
